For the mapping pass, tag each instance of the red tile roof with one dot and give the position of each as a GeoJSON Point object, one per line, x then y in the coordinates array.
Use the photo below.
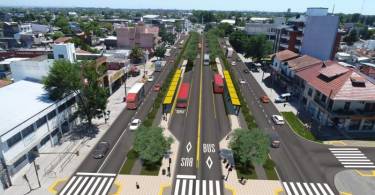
{"type": "Point", "coordinates": [338, 86]}
{"type": "Point", "coordinates": [285, 55]}
{"type": "Point", "coordinates": [302, 62]}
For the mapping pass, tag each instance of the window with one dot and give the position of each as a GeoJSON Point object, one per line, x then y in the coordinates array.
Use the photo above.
{"type": "Point", "coordinates": [41, 122]}
{"type": "Point", "coordinates": [324, 98]}
{"type": "Point", "coordinates": [60, 56]}
{"type": "Point", "coordinates": [54, 132]}
{"type": "Point", "coordinates": [27, 131]}
{"type": "Point", "coordinates": [309, 92]}
{"type": "Point", "coordinates": [19, 161]}
{"type": "Point", "coordinates": [51, 114]}
{"type": "Point", "coordinates": [71, 102]}
{"type": "Point", "coordinates": [44, 140]}
{"type": "Point", "coordinates": [61, 107]}
{"type": "Point", "coordinates": [14, 139]}
{"type": "Point", "coordinates": [347, 106]}
{"type": "Point", "coordinates": [368, 125]}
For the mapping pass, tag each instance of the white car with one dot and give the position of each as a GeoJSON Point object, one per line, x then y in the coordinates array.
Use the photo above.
{"type": "Point", "coordinates": [278, 120]}
{"type": "Point", "coordinates": [135, 124]}
{"type": "Point", "coordinates": [234, 63]}
{"type": "Point", "coordinates": [150, 78]}
{"type": "Point", "coordinates": [242, 81]}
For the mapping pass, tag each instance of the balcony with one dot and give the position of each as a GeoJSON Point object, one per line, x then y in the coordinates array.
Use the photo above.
{"type": "Point", "coordinates": [283, 45]}
{"type": "Point", "coordinates": [356, 112]}
{"type": "Point", "coordinates": [285, 37]}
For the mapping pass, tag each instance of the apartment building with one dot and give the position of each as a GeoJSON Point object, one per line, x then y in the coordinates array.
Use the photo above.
{"type": "Point", "coordinates": [339, 97]}
{"type": "Point", "coordinates": [138, 36]}
{"type": "Point", "coordinates": [29, 123]}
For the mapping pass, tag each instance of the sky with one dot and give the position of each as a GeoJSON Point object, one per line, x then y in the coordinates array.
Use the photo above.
{"type": "Point", "coordinates": [341, 6]}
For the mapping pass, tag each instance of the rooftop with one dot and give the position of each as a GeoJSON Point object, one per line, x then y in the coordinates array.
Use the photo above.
{"type": "Point", "coordinates": [20, 101]}
{"type": "Point", "coordinates": [285, 55]}
{"type": "Point", "coordinates": [339, 82]}
{"type": "Point", "coordinates": [302, 62]}
{"type": "Point", "coordinates": [63, 39]}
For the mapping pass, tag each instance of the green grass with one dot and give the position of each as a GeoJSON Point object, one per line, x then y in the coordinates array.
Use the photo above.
{"type": "Point", "coordinates": [269, 168]}
{"type": "Point", "coordinates": [128, 165]}
{"type": "Point", "coordinates": [297, 126]}
{"type": "Point", "coordinates": [151, 170]}
{"type": "Point", "coordinates": [246, 173]}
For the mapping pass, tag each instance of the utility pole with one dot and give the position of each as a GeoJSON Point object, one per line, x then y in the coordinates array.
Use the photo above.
{"type": "Point", "coordinates": [36, 172]}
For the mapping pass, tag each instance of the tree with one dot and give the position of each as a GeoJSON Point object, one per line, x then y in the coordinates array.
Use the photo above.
{"type": "Point", "coordinates": [136, 55]}
{"type": "Point", "coordinates": [249, 146]}
{"type": "Point", "coordinates": [57, 35]}
{"type": "Point", "coordinates": [351, 37]}
{"type": "Point", "coordinates": [258, 47]}
{"type": "Point", "coordinates": [238, 39]}
{"type": "Point", "coordinates": [166, 37]}
{"type": "Point", "coordinates": [227, 28]}
{"type": "Point", "coordinates": [160, 51]}
{"type": "Point", "coordinates": [150, 144]}
{"type": "Point", "coordinates": [82, 79]}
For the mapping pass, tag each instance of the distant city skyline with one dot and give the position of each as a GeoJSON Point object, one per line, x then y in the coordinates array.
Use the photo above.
{"type": "Point", "coordinates": [341, 6]}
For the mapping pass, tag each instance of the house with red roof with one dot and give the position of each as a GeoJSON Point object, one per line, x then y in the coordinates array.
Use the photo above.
{"type": "Point", "coordinates": [338, 96]}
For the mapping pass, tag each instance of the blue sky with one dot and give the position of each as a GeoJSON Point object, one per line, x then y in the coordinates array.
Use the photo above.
{"type": "Point", "coordinates": [345, 6]}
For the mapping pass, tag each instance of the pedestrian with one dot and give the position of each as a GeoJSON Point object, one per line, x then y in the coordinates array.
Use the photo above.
{"type": "Point", "coordinates": [284, 104]}
{"type": "Point", "coordinates": [137, 185]}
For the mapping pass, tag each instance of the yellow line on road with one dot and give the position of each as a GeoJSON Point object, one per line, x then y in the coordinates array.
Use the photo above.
{"type": "Point", "coordinates": [191, 87]}
{"type": "Point", "coordinates": [371, 174]}
{"type": "Point", "coordinates": [213, 102]}
{"type": "Point", "coordinates": [345, 193]}
{"type": "Point", "coordinates": [199, 111]}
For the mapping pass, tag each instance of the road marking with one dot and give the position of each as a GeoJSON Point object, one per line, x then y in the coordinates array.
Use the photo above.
{"type": "Point", "coordinates": [74, 186]}
{"type": "Point", "coordinates": [211, 187]}
{"type": "Point", "coordinates": [204, 187]}
{"type": "Point", "coordinates": [88, 185]}
{"type": "Point", "coordinates": [186, 176]}
{"type": "Point", "coordinates": [96, 174]}
{"type": "Point", "coordinates": [315, 189]}
{"type": "Point", "coordinates": [359, 166]}
{"type": "Point", "coordinates": [197, 187]}
{"type": "Point", "coordinates": [81, 186]}
{"type": "Point", "coordinates": [176, 188]}
{"type": "Point", "coordinates": [288, 192]}
{"type": "Point", "coordinates": [183, 187]}
{"type": "Point", "coordinates": [300, 188]}
{"type": "Point", "coordinates": [101, 186]}
{"type": "Point", "coordinates": [352, 158]}
{"type": "Point", "coordinates": [69, 184]}
{"type": "Point", "coordinates": [294, 189]}
{"type": "Point", "coordinates": [199, 111]}
{"type": "Point", "coordinates": [209, 162]}
{"type": "Point", "coordinates": [343, 149]}
{"type": "Point", "coordinates": [217, 187]}
{"type": "Point", "coordinates": [329, 189]}
{"type": "Point", "coordinates": [322, 189]}
{"type": "Point", "coordinates": [308, 188]}
{"type": "Point", "coordinates": [94, 186]}
{"type": "Point", "coordinates": [188, 147]}
{"type": "Point", "coordinates": [190, 187]}
{"type": "Point", "coordinates": [106, 189]}
{"type": "Point", "coordinates": [357, 163]}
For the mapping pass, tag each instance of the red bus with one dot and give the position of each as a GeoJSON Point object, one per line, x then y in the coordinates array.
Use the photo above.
{"type": "Point", "coordinates": [218, 84]}
{"type": "Point", "coordinates": [183, 95]}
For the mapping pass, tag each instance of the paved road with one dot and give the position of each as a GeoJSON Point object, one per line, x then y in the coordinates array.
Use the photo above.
{"type": "Point", "coordinates": [202, 125]}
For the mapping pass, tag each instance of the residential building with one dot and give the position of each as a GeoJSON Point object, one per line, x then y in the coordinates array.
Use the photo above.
{"type": "Point", "coordinates": [64, 51]}
{"type": "Point", "coordinates": [339, 97]}
{"type": "Point", "coordinates": [368, 69]}
{"type": "Point", "coordinates": [31, 69]}
{"type": "Point", "coordinates": [10, 29]}
{"type": "Point", "coordinates": [139, 36]}
{"type": "Point", "coordinates": [30, 123]}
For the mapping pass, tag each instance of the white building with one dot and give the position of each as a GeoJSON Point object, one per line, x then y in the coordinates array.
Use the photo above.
{"type": "Point", "coordinates": [229, 21]}
{"type": "Point", "coordinates": [64, 51]}
{"type": "Point", "coordinates": [31, 69]}
{"type": "Point", "coordinates": [29, 123]}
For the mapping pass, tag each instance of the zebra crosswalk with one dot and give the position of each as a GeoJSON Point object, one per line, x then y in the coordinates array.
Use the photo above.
{"type": "Point", "coordinates": [299, 188]}
{"type": "Point", "coordinates": [352, 158]}
{"type": "Point", "coordinates": [189, 185]}
{"type": "Point", "coordinates": [88, 183]}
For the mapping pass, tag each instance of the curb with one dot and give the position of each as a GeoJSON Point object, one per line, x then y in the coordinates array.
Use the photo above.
{"type": "Point", "coordinates": [52, 187]}
{"type": "Point", "coordinates": [162, 188]}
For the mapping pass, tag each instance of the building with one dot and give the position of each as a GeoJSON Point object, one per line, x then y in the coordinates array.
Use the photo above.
{"type": "Point", "coordinates": [228, 21]}
{"type": "Point", "coordinates": [31, 69]}
{"type": "Point", "coordinates": [368, 69]}
{"type": "Point", "coordinates": [30, 123]}
{"type": "Point", "coordinates": [10, 29]}
{"type": "Point", "coordinates": [340, 97]}
{"type": "Point", "coordinates": [139, 36]}
{"type": "Point", "coordinates": [64, 51]}
{"type": "Point", "coordinates": [315, 34]}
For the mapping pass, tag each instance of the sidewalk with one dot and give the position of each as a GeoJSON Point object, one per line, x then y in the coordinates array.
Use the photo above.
{"type": "Point", "coordinates": [350, 143]}
{"type": "Point", "coordinates": [56, 168]}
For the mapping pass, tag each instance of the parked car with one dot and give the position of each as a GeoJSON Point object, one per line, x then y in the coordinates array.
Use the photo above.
{"type": "Point", "coordinates": [246, 71]}
{"type": "Point", "coordinates": [265, 99]}
{"type": "Point", "coordinates": [157, 87]}
{"type": "Point", "coordinates": [135, 124]}
{"type": "Point", "coordinates": [278, 120]}
{"type": "Point", "coordinates": [150, 78]}
{"type": "Point", "coordinates": [242, 81]}
{"type": "Point", "coordinates": [100, 150]}
{"type": "Point", "coordinates": [234, 63]}
{"type": "Point", "coordinates": [282, 98]}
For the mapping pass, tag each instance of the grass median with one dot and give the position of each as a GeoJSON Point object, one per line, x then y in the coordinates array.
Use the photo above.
{"type": "Point", "coordinates": [269, 168]}
{"type": "Point", "coordinates": [129, 163]}
{"type": "Point", "coordinates": [297, 126]}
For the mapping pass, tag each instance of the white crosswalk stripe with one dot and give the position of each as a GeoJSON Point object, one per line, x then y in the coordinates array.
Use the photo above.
{"type": "Point", "coordinates": [297, 188]}
{"type": "Point", "coordinates": [88, 183]}
{"type": "Point", "coordinates": [352, 158]}
{"type": "Point", "coordinates": [197, 187]}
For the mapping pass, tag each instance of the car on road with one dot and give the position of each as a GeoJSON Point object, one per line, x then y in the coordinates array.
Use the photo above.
{"type": "Point", "coordinates": [264, 99]}
{"type": "Point", "coordinates": [157, 87]}
{"type": "Point", "coordinates": [150, 78]}
{"type": "Point", "coordinates": [234, 63]}
{"type": "Point", "coordinates": [275, 140]}
{"type": "Point", "coordinates": [278, 120]}
{"type": "Point", "coordinates": [242, 81]}
{"type": "Point", "coordinates": [135, 124]}
{"type": "Point", "coordinates": [246, 71]}
{"type": "Point", "coordinates": [100, 150]}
